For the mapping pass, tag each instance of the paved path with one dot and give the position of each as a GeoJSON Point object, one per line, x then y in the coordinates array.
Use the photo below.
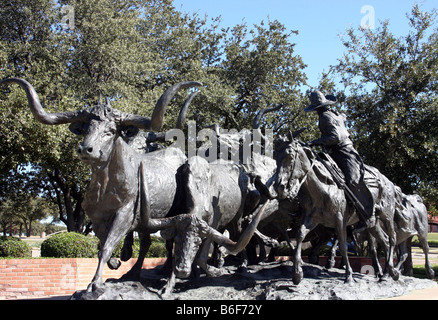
{"type": "Point", "coordinates": [424, 294]}
{"type": "Point", "coordinates": [418, 259]}
{"type": "Point", "coordinates": [418, 256]}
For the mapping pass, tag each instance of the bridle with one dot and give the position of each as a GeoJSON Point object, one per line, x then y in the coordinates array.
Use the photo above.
{"type": "Point", "coordinates": [297, 186]}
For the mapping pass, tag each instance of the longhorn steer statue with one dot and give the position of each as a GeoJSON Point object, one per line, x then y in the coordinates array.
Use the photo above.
{"type": "Point", "coordinates": [119, 174]}
{"type": "Point", "coordinates": [411, 220]}
{"type": "Point", "coordinates": [214, 194]}
{"type": "Point", "coordinates": [128, 191]}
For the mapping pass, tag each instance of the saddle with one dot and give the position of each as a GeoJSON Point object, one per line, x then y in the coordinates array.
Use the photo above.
{"type": "Point", "coordinates": [337, 176]}
{"type": "Point", "coordinates": [335, 172]}
{"type": "Point", "coordinates": [370, 178]}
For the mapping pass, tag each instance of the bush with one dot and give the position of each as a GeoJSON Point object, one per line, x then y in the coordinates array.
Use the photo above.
{"type": "Point", "coordinates": [70, 245]}
{"type": "Point", "coordinates": [4, 238]}
{"type": "Point", "coordinates": [12, 248]}
{"type": "Point", "coordinates": [135, 248]}
{"type": "Point", "coordinates": [156, 250]}
{"type": "Point", "coordinates": [76, 245]}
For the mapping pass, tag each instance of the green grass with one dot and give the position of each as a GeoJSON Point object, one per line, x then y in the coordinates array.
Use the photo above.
{"type": "Point", "coordinates": [420, 271]}
{"type": "Point", "coordinates": [432, 236]}
{"type": "Point", "coordinates": [34, 243]}
{"type": "Point", "coordinates": [432, 239]}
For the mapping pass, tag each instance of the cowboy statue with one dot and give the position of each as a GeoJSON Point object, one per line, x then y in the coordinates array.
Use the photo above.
{"type": "Point", "coordinates": [336, 140]}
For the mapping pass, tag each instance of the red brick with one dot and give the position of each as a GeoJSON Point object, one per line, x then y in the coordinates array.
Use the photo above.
{"type": "Point", "coordinates": [42, 277]}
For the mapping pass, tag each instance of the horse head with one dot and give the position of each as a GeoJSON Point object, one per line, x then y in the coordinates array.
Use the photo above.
{"type": "Point", "coordinates": [293, 165]}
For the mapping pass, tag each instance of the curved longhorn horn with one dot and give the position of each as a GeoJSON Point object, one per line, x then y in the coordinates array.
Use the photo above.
{"type": "Point", "coordinates": [183, 112]}
{"type": "Point", "coordinates": [161, 106]}
{"type": "Point", "coordinates": [156, 122]}
{"type": "Point", "coordinates": [234, 247]}
{"type": "Point", "coordinates": [261, 113]}
{"type": "Point", "coordinates": [37, 110]}
{"type": "Point", "coordinates": [298, 132]}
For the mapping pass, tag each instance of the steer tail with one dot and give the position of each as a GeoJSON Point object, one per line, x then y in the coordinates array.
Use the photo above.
{"type": "Point", "coordinates": [144, 203]}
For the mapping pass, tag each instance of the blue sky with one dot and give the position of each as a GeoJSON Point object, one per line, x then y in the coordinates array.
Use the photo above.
{"type": "Point", "coordinates": [320, 23]}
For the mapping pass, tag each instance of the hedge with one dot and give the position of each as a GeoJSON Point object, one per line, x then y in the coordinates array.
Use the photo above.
{"type": "Point", "coordinates": [70, 245]}
{"type": "Point", "coordinates": [76, 245]}
{"type": "Point", "coordinates": [14, 248]}
{"type": "Point", "coordinates": [156, 250]}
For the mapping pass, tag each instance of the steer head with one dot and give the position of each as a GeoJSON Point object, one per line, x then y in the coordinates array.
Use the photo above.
{"type": "Point", "coordinates": [100, 130]}
{"type": "Point", "coordinates": [188, 239]}
{"type": "Point", "coordinates": [101, 125]}
{"type": "Point", "coordinates": [189, 231]}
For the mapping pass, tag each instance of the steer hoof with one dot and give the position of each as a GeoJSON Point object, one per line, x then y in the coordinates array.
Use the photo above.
{"type": "Point", "coordinates": [384, 277]}
{"type": "Point", "coordinates": [114, 263]}
{"type": "Point", "coordinates": [297, 277]}
{"type": "Point", "coordinates": [166, 292]}
{"type": "Point", "coordinates": [395, 274]}
{"type": "Point", "coordinates": [133, 275]}
{"type": "Point", "coordinates": [94, 289]}
{"type": "Point", "coordinates": [213, 272]}
{"type": "Point", "coordinates": [349, 279]}
{"type": "Point", "coordinates": [94, 295]}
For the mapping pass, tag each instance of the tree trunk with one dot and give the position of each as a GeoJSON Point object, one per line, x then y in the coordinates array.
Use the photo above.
{"type": "Point", "coordinates": [66, 196]}
{"type": "Point", "coordinates": [5, 228]}
{"type": "Point", "coordinates": [29, 230]}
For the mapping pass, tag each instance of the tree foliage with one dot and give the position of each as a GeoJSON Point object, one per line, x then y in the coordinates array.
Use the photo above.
{"type": "Point", "coordinates": [391, 86]}
{"type": "Point", "coordinates": [132, 51]}
{"type": "Point", "coordinates": [129, 51]}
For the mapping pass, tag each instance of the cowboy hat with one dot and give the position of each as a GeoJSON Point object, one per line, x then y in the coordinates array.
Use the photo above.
{"type": "Point", "coordinates": [318, 100]}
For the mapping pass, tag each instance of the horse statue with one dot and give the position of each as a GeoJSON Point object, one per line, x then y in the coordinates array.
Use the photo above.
{"type": "Point", "coordinates": [324, 203]}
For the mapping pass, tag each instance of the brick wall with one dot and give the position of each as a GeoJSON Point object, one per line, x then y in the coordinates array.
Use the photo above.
{"type": "Point", "coordinates": [36, 278]}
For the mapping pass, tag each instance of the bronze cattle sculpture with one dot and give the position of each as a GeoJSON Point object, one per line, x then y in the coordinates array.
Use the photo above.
{"type": "Point", "coordinates": [411, 220]}
{"type": "Point", "coordinates": [139, 185]}
{"type": "Point", "coordinates": [115, 199]}
{"type": "Point", "coordinates": [128, 190]}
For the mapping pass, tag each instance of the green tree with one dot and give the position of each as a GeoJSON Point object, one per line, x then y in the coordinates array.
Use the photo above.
{"type": "Point", "coordinates": [8, 221]}
{"type": "Point", "coordinates": [105, 54]}
{"type": "Point", "coordinates": [29, 208]}
{"type": "Point", "coordinates": [391, 87]}
{"type": "Point", "coordinates": [35, 49]}
{"type": "Point", "coordinates": [129, 51]}
{"type": "Point", "coordinates": [263, 69]}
